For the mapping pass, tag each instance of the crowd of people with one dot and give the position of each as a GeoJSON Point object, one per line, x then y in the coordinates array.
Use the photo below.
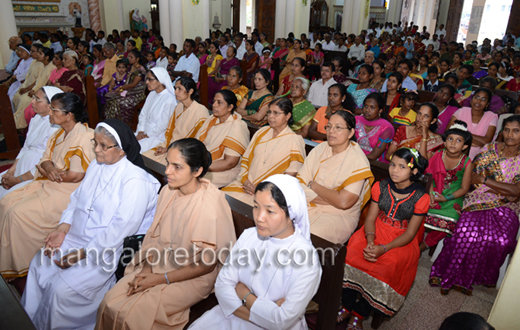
{"type": "Point", "coordinates": [85, 193]}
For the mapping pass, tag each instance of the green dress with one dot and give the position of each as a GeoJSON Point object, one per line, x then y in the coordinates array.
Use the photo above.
{"type": "Point", "coordinates": [303, 113]}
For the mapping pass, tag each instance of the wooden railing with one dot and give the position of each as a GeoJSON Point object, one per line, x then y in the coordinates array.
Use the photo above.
{"type": "Point", "coordinates": [8, 127]}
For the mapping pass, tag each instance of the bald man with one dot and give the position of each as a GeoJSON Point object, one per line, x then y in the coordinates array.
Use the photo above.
{"type": "Point", "coordinates": [13, 61]}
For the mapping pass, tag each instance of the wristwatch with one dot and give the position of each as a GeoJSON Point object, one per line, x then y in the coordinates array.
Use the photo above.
{"type": "Point", "coordinates": [245, 297]}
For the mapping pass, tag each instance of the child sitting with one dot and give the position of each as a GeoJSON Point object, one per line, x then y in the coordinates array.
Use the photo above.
{"type": "Point", "coordinates": [87, 61]}
{"type": "Point", "coordinates": [171, 65]}
{"type": "Point", "coordinates": [405, 115]}
{"type": "Point", "coordinates": [432, 84]}
{"type": "Point", "coordinates": [119, 78]}
{"type": "Point", "coordinates": [150, 58]}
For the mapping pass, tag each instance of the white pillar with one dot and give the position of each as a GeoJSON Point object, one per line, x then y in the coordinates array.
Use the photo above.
{"type": "Point", "coordinates": [164, 21]}
{"type": "Point", "coordinates": [8, 28]}
{"type": "Point", "coordinates": [279, 20]}
{"type": "Point", "coordinates": [477, 11]}
{"type": "Point", "coordinates": [243, 16]}
{"type": "Point", "coordinates": [206, 21]}
{"type": "Point", "coordinates": [176, 23]}
{"type": "Point", "coordinates": [356, 12]}
{"type": "Point", "coordinates": [430, 20]}
{"type": "Point", "coordinates": [121, 15]}
{"type": "Point", "coordinates": [346, 21]}
{"type": "Point", "coordinates": [394, 11]}
{"type": "Point", "coordinates": [290, 11]}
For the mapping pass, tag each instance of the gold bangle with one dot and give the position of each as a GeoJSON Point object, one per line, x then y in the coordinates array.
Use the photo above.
{"type": "Point", "coordinates": [424, 140]}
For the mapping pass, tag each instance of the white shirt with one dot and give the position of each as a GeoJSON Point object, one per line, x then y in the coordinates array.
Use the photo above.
{"type": "Point", "coordinates": [20, 73]}
{"type": "Point", "coordinates": [268, 281]}
{"type": "Point", "coordinates": [259, 48]}
{"type": "Point", "coordinates": [357, 51]}
{"type": "Point", "coordinates": [154, 118]}
{"type": "Point", "coordinates": [56, 46]}
{"type": "Point", "coordinates": [379, 31]}
{"type": "Point", "coordinates": [190, 64]}
{"type": "Point", "coordinates": [11, 65]}
{"type": "Point", "coordinates": [102, 42]}
{"type": "Point", "coordinates": [163, 63]}
{"type": "Point", "coordinates": [328, 46]}
{"type": "Point", "coordinates": [223, 51]}
{"type": "Point", "coordinates": [407, 83]}
{"type": "Point", "coordinates": [319, 92]}
{"type": "Point", "coordinates": [241, 51]}
{"type": "Point", "coordinates": [439, 32]}
{"type": "Point", "coordinates": [343, 48]}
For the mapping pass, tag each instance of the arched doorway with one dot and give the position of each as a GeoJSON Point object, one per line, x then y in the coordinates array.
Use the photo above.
{"type": "Point", "coordinates": [319, 14]}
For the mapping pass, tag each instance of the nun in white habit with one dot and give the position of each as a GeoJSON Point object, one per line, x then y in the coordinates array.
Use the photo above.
{"type": "Point", "coordinates": [274, 292]}
{"type": "Point", "coordinates": [21, 70]}
{"type": "Point", "coordinates": [40, 129]}
{"type": "Point", "coordinates": [156, 112]}
{"type": "Point", "coordinates": [116, 199]}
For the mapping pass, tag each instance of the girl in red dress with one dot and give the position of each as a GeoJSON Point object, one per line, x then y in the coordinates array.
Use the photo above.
{"type": "Point", "coordinates": [382, 256]}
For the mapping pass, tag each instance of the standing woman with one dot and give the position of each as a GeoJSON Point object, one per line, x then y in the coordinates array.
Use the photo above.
{"type": "Point", "coordinates": [23, 169]}
{"type": "Point", "coordinates": [336, 178]}
{"type": "Point", "coordinates": [490, 214]}
{"type": "Point", "coordinates": [226, 136]}
{"type": "Point", "coordinates": [482, 123]}
{"type": "Point", "coordinates": [445, 101]}
{"type": "Point", "coordinates": [157, 109]}
{"type": "Point", "coordinates": [295, 52]}
{"type": "Point", "coordinates": [297, 68]}
{"type": "Point", "coordinates": [185, 121]}
{"type": "Point", "coordinates": [122, 102]}
{"type": "Point", "coordinates": [255, 105]}
{"type": "Point", "coordinates": [159, 287]}
{"type": "Point", "coordinates": [274, 149]}
{"type": "Point", "coordinates": [422, 136]}
{"type": "Point", "coordinates": [30, 213]}
{"type": "Point", "coordinates": [251, 58]}
{"type": "Point", "coordinates": [99, 64]}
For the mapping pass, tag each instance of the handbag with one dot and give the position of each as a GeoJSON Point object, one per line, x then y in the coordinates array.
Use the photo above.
{"type": "Point", "coordinates": [131, 245]}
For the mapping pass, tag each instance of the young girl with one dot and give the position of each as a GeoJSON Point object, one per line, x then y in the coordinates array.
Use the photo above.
{"type": "Point", "coordinates": [382, 257]}
{"type": "Point", "coordinates": [457, 63]}
{"type": "Point", "coordinates": [150, 58]}
{"type": "Point", "coordinates": [120, 77]}
{"type": "Point", "coordinates": [171, 65]}
{"type": "Point", "coordinates": [451, 170]}
{"type": "Point", "coordinates": [393, 93]}
{"type": "Point", "coordinates": [315, 61]}
{"type": "Point", "coordinates": [444, 69]}
{"type": "Point", "coordinates": [405, 114]}
{"type": "Point", "coordinates": [514, 84]}
{"type": "Point", "coordinates": [374, 133]}
{"type": "Point", "coordinates": [87, 61]}
{"type": "Point", "coordinates": [265, 60]}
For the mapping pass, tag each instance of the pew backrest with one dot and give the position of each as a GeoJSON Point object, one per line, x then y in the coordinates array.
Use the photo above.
{"type": "Point", "coordinates": [204, 85]}
{"type": "Point", "coordinates": [92, 105]}
{"type": "Point", "coordinates": [8, 126]}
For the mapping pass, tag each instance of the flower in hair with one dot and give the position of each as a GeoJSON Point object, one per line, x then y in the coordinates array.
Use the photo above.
{"type": "Point", "coordinates": [410, 164]}
{"type": "Point", "coordinates": [459, 126]}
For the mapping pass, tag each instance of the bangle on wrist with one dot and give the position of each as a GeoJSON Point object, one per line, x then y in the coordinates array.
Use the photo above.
{"type": "Point", "coordinates": [21, 179]}
{"type": "Point", "coordinates": [366, 234]}
{"type": "Point", "coordinates": [166, 277]}
{"type": "Point", "coordinates": [309, 184]}
{"type": "Point", "coordinates": [245, 297]}
{"type": "Point", "coordinates": [449, 197]}
{"type": "Point", "coordinates": [384, 247]}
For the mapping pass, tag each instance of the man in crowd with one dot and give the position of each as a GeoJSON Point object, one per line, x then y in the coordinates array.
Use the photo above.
{"type": "Point", "coordinates": [13, 60]}
{"type": "Point", "coordinates": [240, 45]}
{"type": "Point", "coordinates": [188, 65]}
{"type": "Point", "coordinates": [405, 67]}
{"type": "Point", "coordinates": [319, 91]}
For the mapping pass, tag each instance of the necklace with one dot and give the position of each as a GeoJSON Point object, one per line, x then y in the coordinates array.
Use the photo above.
{"type": "Point", "coordinates": [90, 209]}
{"type": "Point", "coordinates": [444, 158]}
{"type": "Point", "coordinates": [181, 216]}
{"type": "Point", "coordinates": [502, 150]}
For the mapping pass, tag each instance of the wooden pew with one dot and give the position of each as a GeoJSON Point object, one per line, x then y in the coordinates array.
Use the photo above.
{"type": "Point", "coordinates": [275, 67]}
{"type": "Point", "coordinates": [8, 126]}
{"type": "Point", "coordinates": [243, 66]}
{"type": "Point", "coordinates": [204, 85]}
{"type": "Point", "coordinates": [512, 95]}
{"type": "Point", "coordinates": [332, 260]}
{"type": "Point", "coordinates": [92, 105]}
{"type": "Point", "coordinates": [425, 96]}
{"type": "Point", "coordinates": [12, 314]}
{"type": "Point", "coordinates": [331, 54]}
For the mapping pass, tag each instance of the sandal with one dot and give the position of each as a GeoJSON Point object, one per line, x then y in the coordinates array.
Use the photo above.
{"type": "Point", "coordinates": [354, 326]}
{"type": "Point", "coordinates": [341, 318]}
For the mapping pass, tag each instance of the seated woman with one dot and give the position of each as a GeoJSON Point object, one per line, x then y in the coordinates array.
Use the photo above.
{"type": "Point", "coordinates": [156, 112]}
{"type": "Point", "coordinates": [71, 81]}
{"type": "Point", "coordinates": [254, 107]}
{"type": "Point", "coordinates": [361, 90]}
{"type": "Point", "coordinates": [379, 76]}
{"type": "Point", "coordinates": [19, 75]}
{"type": "Point", "coordinates": [338, 99]}
{"type": "Point", "coordinates": [303, 110]}
{"type": "Point", "coordinates": [22, 100]}
{"type": "Point", "coordinates": [233, 79]}
{"type": "Point", "coordinates": [393, 93]}
{"type": "Point", "coordinates": [295, 52]}
{"type": "Point", "coordinates": [121, 196]}
{"type": "Point", "coordinates": [21, 85]}
{"type": "Point", "coordinates": [185, 121]}
{"type": "Point", "coordinates": [496, 105]}
{"type": "Point", "coordinates": [192, 215]}
{"type": "Point", "coordinates": [202, 53]}
{"type": "Point", "coordinates": [214, 59]}
{"type": "Point", "coordinates": [99, 62]}
{"type": "Point", "coordinates": [451, 170]}
{"type": "Point", "coordinates": [382, 257]}
{"type": "Point", "coordinates": [219, 80]}
{"type": "Point", "coordinates": [422, 136]}
{"type": "Point", "coordinates": [490, 212]}
{"type": "Point", "coordinates": [297, 67]}
{"type": "Point", "coordinates": [226, 136]}
{"type": "Point", "coordinates": [374, 133]}
{"type": "Point", "coordinates": [339, 77]}
{"type": "Point", "coordinates": [445, 101]}
{"type": "Point", "coordinates": [274, 149]}
{"type": "Point", "coordinates": [251, 58]}
{"type": "Point", "coordinates": [478, 73]}
{"type": "Point", "coordinates": [29, 214]}
{"type": "Point", "coordinates": [122, 102]}
{"type": "Point", "coordinates": [23, 169]}
{"type": "Point", "coordinates": [336, 178]}
{"type": "Point", "coordinates": [272, 297]}
{"type": "Point", "coordinates": [482, 123]}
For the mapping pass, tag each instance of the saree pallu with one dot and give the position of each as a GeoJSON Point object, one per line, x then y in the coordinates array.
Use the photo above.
{"type": "Point", "coordinates": [486, 230]}
{"type": "Point", "coordinates": [288, 64]}
{"type": "Point", "coordinates": [359, 95]}
{"type": "Point", "coordinates": [123, 107]}
{"type": "Point", "coordinates": [420, 48]}
{"type": "Point", "coordinates": [74, 79]}
{"type": "Point", "coordinates": [303, 113]}
{"type": "Point", "coordinates": [213, 86]}
{"type": "Point", "coordinates": [286, 83]}
{"type": "Point", "coordinates": [97, 72]}
{"type": "Point", "coordinates": [240, 92]}
{"type": "Point", "coordinates": [401, 140]}
{"type": "Point", "coordinates": [388, 50]}
{"type": "Point", "coordinates": [251, 60]}
{"type": "Point", "coordinates": [444, 118]}
{"type": "Point", "coordinates": [382, 132]}
{"type": "Point", "coordinates": [253, 105]}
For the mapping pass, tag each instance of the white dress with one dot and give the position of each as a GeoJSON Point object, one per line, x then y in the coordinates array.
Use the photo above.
{"type": "Point", "coordinates": [121, 198]}
{"type": "Point", "coordinates": [269, 281]}
{"type": "Point", "coordinates": [32, 151]}
{"type": "Point", "coordinates": [21, 73]}
{"type": "Point", "coordinates": [154, 118]}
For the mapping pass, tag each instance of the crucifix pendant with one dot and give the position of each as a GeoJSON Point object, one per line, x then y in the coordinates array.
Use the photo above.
{"type": "Point", "coordinates": [90, 209]}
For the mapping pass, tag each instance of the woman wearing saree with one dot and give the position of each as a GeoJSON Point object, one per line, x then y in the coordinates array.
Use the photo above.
{"type": "Point", "coordinates": [295, 52]}
{"type": "Point", "coordinates": [477, 71]}
{"type": "Point", "coordinates": [361, 90]}
{"type": "Point", "coordinates": [421, 136]}
{"type": "Point", "coordinates": [251, 58]}
{"type": "Point", "coordinates": [444, 100]}
{"type": "Point", "coordinates": [336, 178]}
{"type": "Point", "coordinates": [202, 53]}
{"type": "Point", "coordinates": [30, 213]}
{"type": "Point", "coordinates": [298, 66]}
{"type": "Point", "coordinates": [71, 81]}
{"type": "Point", "coordinates": [99, 63]}
{"type": "Point", "coordinates": [121, 103]}
{"type": "Point", "coordinates": [387, 48]}
{"type": "Point", "coordinates": [254, 107]}
{"type": "Point", "coordinates": [274, 149]}
{"type": "Point", "coordinates": [490, 213]}
{"type": "Point", "coordinates": [303, 110]}
{"type": "Point", "coordinates": [233, 79]}
{"type": "Point", "coordinates": [20, 103]}
{"type": "Point", "coordinates": [419, 47]}
{"type": "Point", "coordinates": [192, 215]}
{"type": "Point", "coordinates": [374, 133]}
{"type": "Point", "coordinates": [213, 60]}
{"type": "Point", "coordinates": [218, 81]}
{"type": "Point", "coordinates": [226, 136]}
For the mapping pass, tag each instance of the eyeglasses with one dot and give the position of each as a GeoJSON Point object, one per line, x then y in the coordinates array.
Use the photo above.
{"type": "Point", "coordinates": [55, 109]}
{"type": "Point", "coordinates": [334, 128]}
{"type": "Point", "coordinates": [478, 98]}
{"type": "Point", "coordinates": [36, 99]}
{"type": "Point", "coordinates": [103, 147]}
{"type": "Point", "coordinates": [150, 79]}
{"type": "Point", "coordinates": [274, 113]}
